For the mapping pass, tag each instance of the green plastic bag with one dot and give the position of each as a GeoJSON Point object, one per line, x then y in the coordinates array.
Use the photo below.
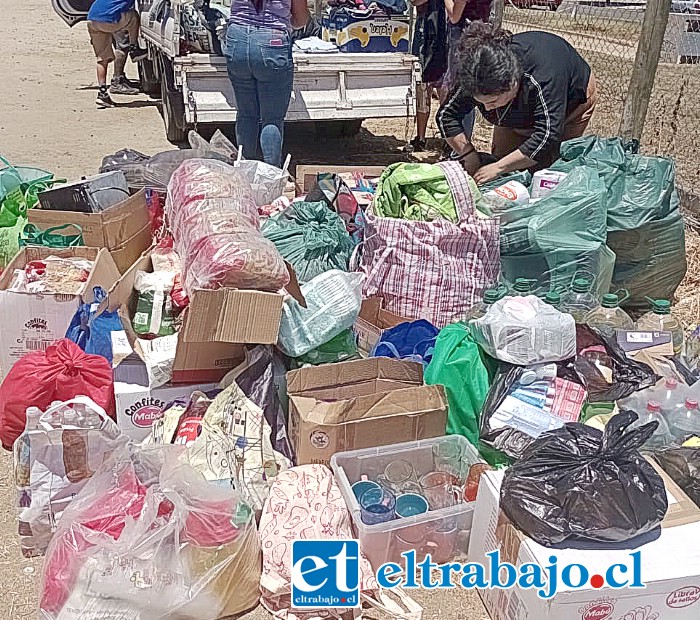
{"type": "Point", "coordinates": [50, 238]}
{"type": "Point", "coordinates": [339, 349]}
{"type": "Point", "coordinates": [459, 365]}
{"type": "Point", "coordinates": [561, 236]}
{"type": "Point", "coordinates": [311, 237]}
{"type": "Point", "coordinates": [645, 227]}
{"type": "Point", "coordinates": [19, 189]}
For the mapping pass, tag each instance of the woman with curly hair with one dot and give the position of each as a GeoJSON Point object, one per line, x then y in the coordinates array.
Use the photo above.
{"type": "Point", "coordinates": [533, 86]}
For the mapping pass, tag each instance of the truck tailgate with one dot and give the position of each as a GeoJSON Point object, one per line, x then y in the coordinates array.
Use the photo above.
{"type": "Point", "coordinates": [326, 86]}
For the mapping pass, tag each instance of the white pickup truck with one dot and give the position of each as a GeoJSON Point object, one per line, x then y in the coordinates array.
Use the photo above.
{"type": "Point", "coordinates": [340, 90]}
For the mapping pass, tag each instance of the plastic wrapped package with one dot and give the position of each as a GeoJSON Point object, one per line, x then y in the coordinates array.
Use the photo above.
{"type": "Point", "coordinates": [525, 330]}
{"type": "Point", "coordinates": [561, 235]}
{"type": "Point", "coordinates": [333, 301]}
{"type": "Point", "coordinates": [148, 537]}
{"type": "Point", "coordinates": [131, 163]}
{"type": "Point", "coordinates": [154, 309]}
{"type": "Point", "coordinates": [601, 489]}
{"type": "Point", "coordinates": [160, 168]}
{"type": "Point", "coordinates": [54, 457]}
{"type": "Point", "coordinates": [215, 225]}
{"type": "Point", "coordinates": [311, 237]}
{"type": "Point", "coordinates": [268, 182]}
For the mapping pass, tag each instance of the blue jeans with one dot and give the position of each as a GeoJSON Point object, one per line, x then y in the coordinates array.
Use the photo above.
{"type": "Point", "coordinates": [261, 71]}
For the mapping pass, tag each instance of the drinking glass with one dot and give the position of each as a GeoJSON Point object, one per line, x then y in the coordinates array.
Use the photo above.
{"type": "Point", "coordinates": [377, 506]}
{"type": "Point", "coordinates": [448, 456]}
{"type": "Point", "coordinates": [399, 476]}
{"type": "Point", "coordinates": [441, 489]}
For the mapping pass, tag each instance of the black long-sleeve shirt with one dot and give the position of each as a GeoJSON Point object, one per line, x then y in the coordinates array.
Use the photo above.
{"type": "Point", "coordinates": [555, 81]}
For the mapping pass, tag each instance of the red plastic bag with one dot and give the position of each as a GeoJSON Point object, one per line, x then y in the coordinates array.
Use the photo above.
{"type": "Point", "coordinates": [62, 372]}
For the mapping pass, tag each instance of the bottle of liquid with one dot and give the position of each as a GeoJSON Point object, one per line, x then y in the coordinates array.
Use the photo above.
{"type": "Point", "coordinates": [23, 447]}
{"type": "Point", "coordinates": [579, 301]}
{"type": "Point", "coordinates": [522, 287]}
{"type": "Point", "coordinates": [685, 422]}
{"type": "Point", "coordinates": [480, 308]}
{"type": "Point", "coordinates": [662, 436]}
{"type": "Point", "coordinates": [553, 299]}
{"type": "Point", "coordinates": [661, 319]}
{"type": "Point", "coordinates": [609, 316]}
{"type": "Point", "coordinates": [670, 395]}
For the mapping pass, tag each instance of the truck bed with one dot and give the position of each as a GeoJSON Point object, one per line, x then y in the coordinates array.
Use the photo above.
{"type": "Point", "coordinates": [340, 86]}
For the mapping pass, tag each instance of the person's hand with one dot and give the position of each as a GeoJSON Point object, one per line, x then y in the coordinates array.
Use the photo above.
{"type": "Point", "coordinates": [487, 173]}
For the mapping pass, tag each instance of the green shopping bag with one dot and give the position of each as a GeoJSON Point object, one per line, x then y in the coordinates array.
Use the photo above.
{"type": "Point", "coordinates": [459, 365]}
{"type": "Point", "coordinates": [50, 238]}
{"type": "Point", "coordinates": [19, 191]}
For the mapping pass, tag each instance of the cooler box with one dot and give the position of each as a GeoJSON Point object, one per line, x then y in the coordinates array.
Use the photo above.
{"type": "Point", "coordinates": [443, 533]}
{"type": "Point", "coordinates": [360, 34]}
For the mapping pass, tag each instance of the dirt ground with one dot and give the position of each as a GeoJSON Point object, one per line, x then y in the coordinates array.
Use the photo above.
{"type": "Point", "coordinates": [48, 119]}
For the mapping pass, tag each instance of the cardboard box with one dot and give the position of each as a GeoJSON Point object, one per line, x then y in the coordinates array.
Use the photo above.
{"type": "Point", "coordinates": [137, 404]}
{"type": "Point", "coordinates": [124, 229]}
{"type": "Point", "coordinates": [371, 323]}
{"type": "Point", "coordinates": [353, 33]}
{"type": "Point", "coordinates": [306, 179]}
{"type": "Point", "coordinates": [670, 567]}
{"type": "Point", "coordinates": [215, 328]}
{"type": "Point", "coordinates": [32, 321]}
{"type": "Point", "coordinates": [361, 404]}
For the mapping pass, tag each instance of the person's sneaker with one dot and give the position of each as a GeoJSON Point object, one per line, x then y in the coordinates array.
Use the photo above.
{"type": "Point", "coordinates": [120, 86]}
{"type": "Point", "coordinates": [418, 144]}
{"type": "Point", "coordinates": [136, 53]}
{"type": "Point", "coordinates": [103, 99]}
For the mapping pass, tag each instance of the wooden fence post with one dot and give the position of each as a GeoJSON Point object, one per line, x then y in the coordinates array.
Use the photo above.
{"type": "Point", "coordinates": [496, 16]}
{"type": "Point", "coordinates": [644, 70]}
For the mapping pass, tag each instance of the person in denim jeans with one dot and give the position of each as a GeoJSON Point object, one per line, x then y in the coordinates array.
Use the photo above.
{"type": "Point", "coordinates": [260, 67]}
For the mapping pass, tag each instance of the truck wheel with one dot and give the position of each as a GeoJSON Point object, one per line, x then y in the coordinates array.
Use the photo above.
{"type": "Point", "coordinates": [148, 79]}
{"type": "Point", "coordinates": [332, 130]}
{"type": "Point", "coordinates": [173, 113]}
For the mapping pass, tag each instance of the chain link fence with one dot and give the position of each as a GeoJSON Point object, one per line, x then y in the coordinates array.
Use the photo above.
{"type": "Point", "coordinates": [607, 35]}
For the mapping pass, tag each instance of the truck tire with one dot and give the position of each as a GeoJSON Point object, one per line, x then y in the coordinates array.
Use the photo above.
{"type": "Point", "coordinates": [173, 106]}
{"type": "Point", "coordinates": [147, 76]}
{"type": "Point", "coordinates": [332, 130]}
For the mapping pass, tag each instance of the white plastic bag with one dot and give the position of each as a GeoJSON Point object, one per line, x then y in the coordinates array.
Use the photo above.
{"type": "Point", "coordinates": [268, 182]}
{"type": "Point", "coordinates": [149, 538]}
{"type": "Point", "coordinates": [524, 331]}
{"type": "Point", "coordinates": [333, 301]}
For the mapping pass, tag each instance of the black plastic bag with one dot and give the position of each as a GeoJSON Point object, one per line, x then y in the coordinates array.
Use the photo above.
{"type": "Point", "coordinates": [577, 484]}
{"type": "Point", "coordinates": [508, 440]}
{"type": "Point", "coordinates": [628, 376]}
{"type": "Point", "coordinates": [683, 466]}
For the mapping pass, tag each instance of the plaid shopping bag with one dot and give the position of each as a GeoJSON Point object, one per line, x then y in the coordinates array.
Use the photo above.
{"type": "Point", "coordinates": [432, 270]}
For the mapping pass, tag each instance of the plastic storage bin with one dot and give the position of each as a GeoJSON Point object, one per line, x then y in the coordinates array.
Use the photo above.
{"type": "Point", "coordinates": [443, 533]}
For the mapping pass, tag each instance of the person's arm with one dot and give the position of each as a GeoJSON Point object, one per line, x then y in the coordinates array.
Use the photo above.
{"type": "Point", "coordinates": [449, 120]}
{"type": "Point", "coordinates": [455, 8]}
{"type": "Point", "coordinates": [418, 3]}
{"type": "Point", "coordinates": [549, 111]}
{"type": "Point", "coordinates": [300, 14]}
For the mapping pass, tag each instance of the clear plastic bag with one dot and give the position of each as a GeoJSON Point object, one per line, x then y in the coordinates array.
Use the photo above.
{"type": "Point", "coordinates": [54, 458]}
{"type": "Point", "coordinates": [159, 169]}
{"type": "Point", "coordinates": [333, 302]}
{"type": "Point", "coordinates": [216, 228]}
{"type": "Point", "coordinates": [148, 537]}
{"type": "Point", "coordinates": [524, 331]}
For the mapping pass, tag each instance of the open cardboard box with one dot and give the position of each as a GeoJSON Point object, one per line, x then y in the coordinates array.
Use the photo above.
{"type": "Point", "coordinates": [124, 229]}
{"type": "Point", "coordinates": [371, 323]}
{"type": "Point", "coordinates": [306, 179]}
{"type": "Point", "coordinates": [33, 321]}
{"type": "Point", "coordinates": [216, 325]}
{"type": "Point", "coordinates": [361, 404]}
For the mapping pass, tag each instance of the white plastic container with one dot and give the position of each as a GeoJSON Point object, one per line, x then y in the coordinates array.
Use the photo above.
{"type": "Point", "coordinates": [443, 533]}
{"type": "Point", "coordinates": [512, 191]}
{"type": "Point", "coordinates": [544, 181]}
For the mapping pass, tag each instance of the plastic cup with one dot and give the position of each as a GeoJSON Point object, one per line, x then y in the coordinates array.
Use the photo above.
{"type": "Point", "coordinates": [377, 506]}
{"type": "Point", "coordinates": [410, 505]}
{"type": "Point", "coordinates": [361, 486]}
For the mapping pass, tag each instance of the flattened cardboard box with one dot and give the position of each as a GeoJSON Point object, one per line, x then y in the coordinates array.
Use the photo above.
{"type": "Point", "coordinates": [361, 404]}
{"type": "Point", "coordinates": [670, 566]}
{"type": "Point", "coordinates": [215, 328]}
{"type": "Point", "coordinates": [33, 321]}
{"type": "Point", "coordinates": [124, 229]}
{"type": "Point", "coordinates": [371, 323]}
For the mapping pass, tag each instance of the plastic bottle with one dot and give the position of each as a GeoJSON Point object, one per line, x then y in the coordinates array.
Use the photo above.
{"type": "Point", "coordinates": [670, 395]}
{"type": "Point", "coordinates": [553, 299]}
{"type": "Point", "coordinates": [579, 301]}
{"type": "Point", "coordinates": [685, 422]}
{"type": "Point", "coordinates": [661, 319]}
{"type": "Point", "coordinates": [23, 447]}
{"type": "Point", "coordinates": [662, 436]}
{"type": "Point", "coordinates": [522, 287]}
{"type": "Point", "coordinates": [609, 316]}
{"type": "Point", "coordinates": [480, 308]}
